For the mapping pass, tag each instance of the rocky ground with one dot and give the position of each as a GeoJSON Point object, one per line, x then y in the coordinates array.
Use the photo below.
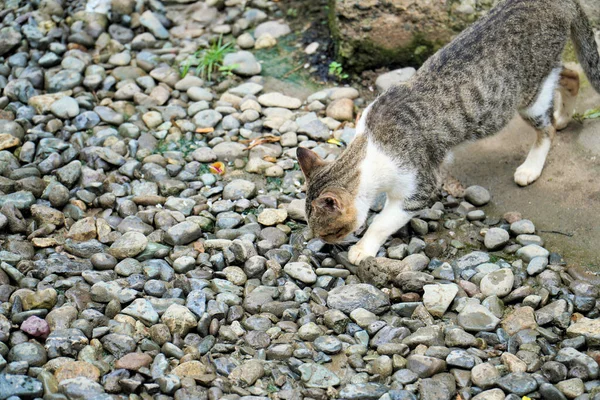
{"type": "Point", "coordinates": [154, 244]}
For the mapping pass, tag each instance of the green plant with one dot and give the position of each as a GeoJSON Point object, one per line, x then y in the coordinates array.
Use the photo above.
{"type": "Point", "coordinates": [336, 69]}
{"type": "Point", "coordinates": [208, 61]}
{"type": "Point", "coordinates": [292, 12]}
{"type": "Point", "coordinates": [593, 113]}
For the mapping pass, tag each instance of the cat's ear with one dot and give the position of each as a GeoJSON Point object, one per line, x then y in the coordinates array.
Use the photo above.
{"type": "Point", "coordinates": [328, 202]}
{"type": "Point", "coordinates": [309, 161]}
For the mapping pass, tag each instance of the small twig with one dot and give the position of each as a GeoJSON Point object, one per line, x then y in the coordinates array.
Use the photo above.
{"type": "Point", "coordinates": [287, 74]}
{"type": "Point", "coordinates": [560, 233]}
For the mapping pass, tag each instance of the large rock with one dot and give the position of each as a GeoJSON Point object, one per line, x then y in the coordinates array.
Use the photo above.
{"type": "Point", "coordinates": [404, 32]}
{"type": "Point", "coordinates": [350, 297]}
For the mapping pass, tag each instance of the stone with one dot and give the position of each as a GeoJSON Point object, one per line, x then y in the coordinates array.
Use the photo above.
{"type": "Point", "coordinates": [437, 298]}
{"type": "Point", "coordinates": [477, 195]}
{"type": "Point", "coordinates": [485, 375]}
{"type": "Point", "coordinates": [477, 318]}
{"type": "Point", "coordinates": [130, 244]}
{"type": "Point", "coordinates": [270, 216]}
{"type": "Point", "coordinates": [588, 328]}
{"type": "Point", "coordinates": [529, 252]}
{"type": "Point", "coordinates": [65, 107]}
{"type": "Point", "coordinates": [425, 366]}
{"type": "Point", "coordinates": [75, 369]}
{"type": "Point", "coordinates": [243, 63]}
{"type": "Point", "coordinates": [519, 383]}
{"type": "Point", "coordinates": [341, 110]}
{"type": "Point", "coordinates": [274, 28]}
{"type": "Point", "coordinates": [317, 376]}
{"type": "Point", "coordinates": [497, 283]}
{"type": "Point", "coordinates": [349, 297]}
{"type": "Point", "coordinates": [239, 189]}
{"type": "Point", "coordinates": [179, 319]}
{"type": "Point", "coordinates": [398, 76]}
{"type": "Point", "coordinates": [496, 239]}
{"type": "Point", "coordinates": [301, 271]}
{"type": "Point", "coordinates": [519, 319]}
{"type": "Point", "coordinates": [275, 99]}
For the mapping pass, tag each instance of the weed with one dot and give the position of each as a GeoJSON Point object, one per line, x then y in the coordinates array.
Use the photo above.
{"type": "Point", "coordinates": [182, 145]}
{"type": "Point", "coordinates": [292, 13]}
{"type": "Point", "coordinates": [593, 113]}
{"type": "Point", "coordinates": [209, 61]}
{"type": "Point", "coordinates": [336, 69]}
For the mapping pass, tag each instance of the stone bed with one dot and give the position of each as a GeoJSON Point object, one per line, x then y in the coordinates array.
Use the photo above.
{"type": "Point", "coordinates": [132, 270]}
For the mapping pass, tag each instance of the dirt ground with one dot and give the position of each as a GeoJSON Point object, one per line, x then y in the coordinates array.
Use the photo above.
{"type": "Point", "coordinates": [565, 199]}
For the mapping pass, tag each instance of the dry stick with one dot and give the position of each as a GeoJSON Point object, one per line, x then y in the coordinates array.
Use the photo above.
{"type": "Point", "coordinates": [287, 74]}
{"type": "Point", "coordinates": [560, 233]}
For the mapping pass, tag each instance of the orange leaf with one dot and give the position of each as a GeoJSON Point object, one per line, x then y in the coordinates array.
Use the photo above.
{"type": "Point", "coordinates": [270, 159]}
{"type": "Point", "coordinates": [205, 130]}
{"type": "Point", "coordinates": [217, 168]}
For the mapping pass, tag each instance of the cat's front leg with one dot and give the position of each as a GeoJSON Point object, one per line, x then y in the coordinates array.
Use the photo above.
{"type": "Point", "coordinates": [386, 223]}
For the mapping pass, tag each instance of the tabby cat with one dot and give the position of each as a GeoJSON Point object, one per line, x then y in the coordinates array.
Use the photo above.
{"type": "Point", "coordinates": [508, 61]}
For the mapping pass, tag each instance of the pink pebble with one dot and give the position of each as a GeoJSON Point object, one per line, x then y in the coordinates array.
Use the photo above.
{"type": "Point", "coordinates": [36, 327]}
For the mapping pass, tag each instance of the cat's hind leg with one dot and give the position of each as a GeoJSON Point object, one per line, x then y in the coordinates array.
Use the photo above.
{"type": "Point", "coordinates": [539, 116]}
{"type": "Point", "coordinates": [386, 223]}
{"type": "Point", "coordinates": [565, 98]}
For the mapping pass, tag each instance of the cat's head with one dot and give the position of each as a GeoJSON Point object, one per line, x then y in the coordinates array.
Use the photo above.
{"type": "Point", "coordinates": [330, 210]}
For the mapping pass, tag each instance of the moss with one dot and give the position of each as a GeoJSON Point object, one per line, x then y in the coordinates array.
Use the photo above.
{"type": "Point", "coordinates": [360, 55]}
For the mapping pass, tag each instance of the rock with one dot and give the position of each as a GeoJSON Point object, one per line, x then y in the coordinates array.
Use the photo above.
{"type": "Point", "coordinates": [243, 63]}
{"type": "Point", "coordinates": [485, 375]}
{"type": "Point", "coordinates": [519, 383]}
{"type": "Point", "coordinates": [275, 99]}
{"type": "Point", "coordinates": [522, 227]}
{"type": "Point", "coordinates": [129, 245]}
{"type": "Point", "coordinates": [588, 328]}
{"type": "Point", "coordinates": [65, 107]}
{"type": "Point", "coordinates": [477, 318]}
{"type": "Point", "coordinates": [152, 23]}
{"type": "Point", "coordinates": [349, 297]}
{"type": "Point", "coordinates": [274, 28]}
{"type": "Point", "coordinates": [519, 319]}
{"type": "Point", "coordinates": [270, 216]}
{"type": "Point", "coordinates": [371, 36]}
{"type": "Point", "coordinates": [341, 110]}
{"type": "Point", "coordinates": [133, 361]}
{"type": "Point", "coordinates": [363, 391]}
{"type": "Point", "coordinates": [437, 298]}
{"type": "Point", "coordinates": [301, 271]}
{"type": "Point", "coordinates": [9, 38]}
{"type": "Point", "coordinates": [19, 385]}
{"type": "Point", "coordinates": [498, 283]}
{"type": "Point", "coordinates": [265, 41]}
{"type": "Point", "coordinates": [398, 76]}
{"type": "Point", "coordinates": [529, 252]}
{"type": "Point", "coordinates": [239, 189]}
{"type": "Point", "coordinates": [317, 376]}
{"type": "Point", "coordinates": [493, 394]}
{"type": "Point", "coordinates": [477, 195]}
{"type": "Point", "coordinates": [178, 319]}
{"type": "Point", "coordinates": [77, 369]}
{"type": "Point", "coordinates": [425, 366]}
{"type": "Point", "coordinates": [248, 373]}
{"type": "Point", "coordinates": [496, 239]}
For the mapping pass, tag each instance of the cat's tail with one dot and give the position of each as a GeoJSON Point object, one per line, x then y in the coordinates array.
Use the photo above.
{"type": "Point", "coordinates": [585, 46]}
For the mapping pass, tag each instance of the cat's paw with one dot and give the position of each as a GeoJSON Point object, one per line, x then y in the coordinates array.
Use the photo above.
{"type": "Point", "coordinates": [358, 253]}
{"type": "Point", "coordinates": [524, 175]}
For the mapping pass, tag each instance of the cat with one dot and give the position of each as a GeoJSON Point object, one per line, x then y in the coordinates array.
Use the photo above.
{"type": "Point", "coordinates": [507, 62]}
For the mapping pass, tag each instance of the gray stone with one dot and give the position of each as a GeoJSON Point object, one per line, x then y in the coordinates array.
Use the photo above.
{"type": "Point", "coordinates": [349, 297]}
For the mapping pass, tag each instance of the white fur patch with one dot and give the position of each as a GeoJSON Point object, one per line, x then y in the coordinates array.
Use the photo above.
{"type": "Point", "coordinates": [539, 109]}
{"type": "Point", "coordinates": [361, 126]}
{"type": "Point", "coordinates": [379, 173]}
